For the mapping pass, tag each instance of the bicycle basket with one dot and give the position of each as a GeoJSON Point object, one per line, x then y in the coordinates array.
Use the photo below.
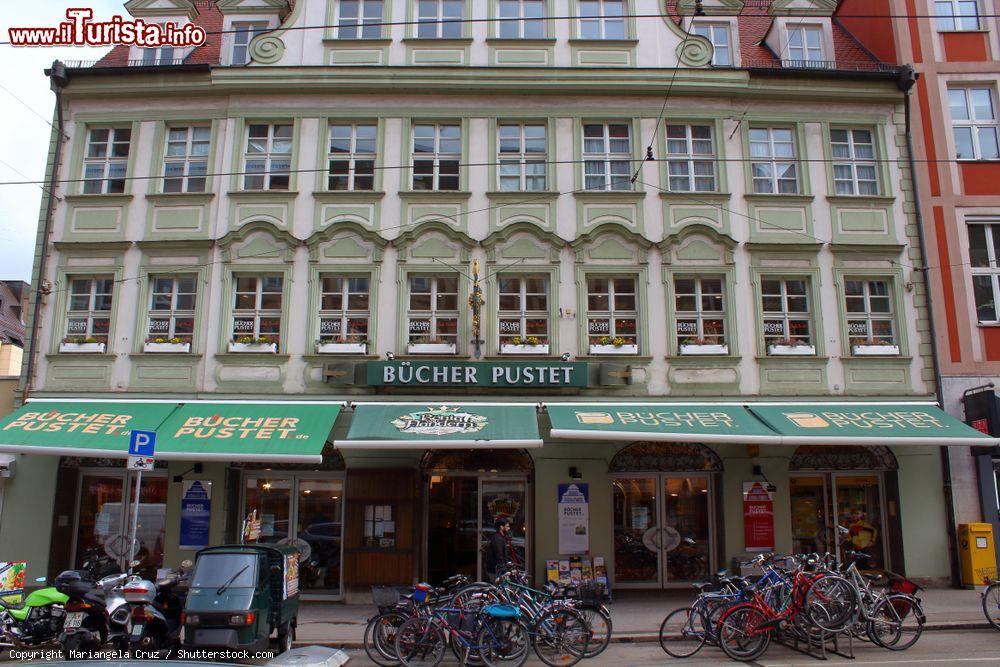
{"type": "Point", "coordinates": [591, 594]}
{"type": "Point", "coordinates": [904, 585]}
{"type": "Point", "coordinates": [987, 574]}
{"type": "Point", "coordinates": [462, 621]}
{"type": "Point", "coordinates": [503, 611]}
{"type": "Point", "coordinates": [385, 596]}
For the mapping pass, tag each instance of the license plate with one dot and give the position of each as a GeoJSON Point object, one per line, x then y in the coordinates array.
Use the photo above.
{"type": "Point", "coordinates": [74, 619]}
{"type": "Point", "coordinates": [137, 629]}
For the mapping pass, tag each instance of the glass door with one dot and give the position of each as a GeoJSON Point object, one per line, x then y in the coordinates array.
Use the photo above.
{"type": "Point", "coordinates": [858, 502]}
{"type": "Point", "coordinates": [810, 521]}
{"type": "Point", "coordinates": [686, 534]}
{"type": "Point", "coordinates": [151, 525]}
{"type": "Point", "coordinates": [271, 496]}
{"type": "Point", "coordinates": [505, 499]}
{"type": "Point", "coordinates": [636, 532]}
{"type": "Point", "coordinates": [452, 527]}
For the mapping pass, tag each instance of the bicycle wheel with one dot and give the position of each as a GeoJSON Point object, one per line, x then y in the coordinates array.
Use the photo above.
{"type": "Point", "coordinates": [683, 632]}
{"type": "Point", "coordinates": [476, 594]}
{"type": "Point", "coordinates": [839, 601]}
{"type": "Point", "coordinates": [599, 620]}
{"type": "Point", "coordinates": [560, 636]}
{"type": "Point", "coordinates": [741, 633]}
{"type": "Point", "coordinates": [380, 638]}
{"type": "Point", "coordinates": [420, 642]}
{"type": "Point", "coordinates": [503, 642]}
{"type": "Point", "coordinates": [897, 622]}
{"type": "Point", "coordinates": [991, 604]}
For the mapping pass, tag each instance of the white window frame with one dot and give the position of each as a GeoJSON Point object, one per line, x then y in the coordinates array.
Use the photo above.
{"type": "Point", "coordinates": [353, 157]}
{"type": "Point", "coordinates": [868, 315]}
{"type": "Point", "coordinates": [249, 29]}
{"type": "Point", "coordinates": [173, 313]}
{"type": "Point", "coordinates": [852, 162]}
{"type": "Point", "coordinates": [955, 17]}
{"type": "Point", "coordinates": [808, 55]}
{"type": "Point", "coordinates": [159, 55]}
{"type": "Point", "coordinates": [700, 314]}
{"type": "Point", "coordinates": [360, 23]}
{"type": "Point", "coordinates": [612, 313]}
{"type": "Point", "coordinates": [257, 312]}
{"type": "Point", "coordinates": [269, 156]}
{"type": "Point", "coordinates": [522, 157]}
{"type": "Point", "coordinates": [188, 160]}
{"type": "Point", "coordinates": [107, 161]}
{"type": "Point", "coordinates": [522, 19]}
{"type": "Point", "coordinates": [434, 313]}
{"type": "Point", "coordinates": [602, 20]}
{"type": "Point", "coordinates": [785, 315]}
{"type": "Point", "coordinates": [437, 157]}
{"type": "Point", "coordinates": [523, 314]}
{"type": "Point", "coordinates": [90, 313]}
{"type": "Point", "coordinates": [689, 159]}
{"type": "Point", "coordinates": [344, 314]}
{"type": "Point", "coordinates": [713, 29]}
{"type": "Point", "coordinates": [773, 161]}
{"type": "Point", "coordinates": [438, 21]}
{"type": "Point", "coordinates": [973, 124]}
{"type": "Point", "coordinates": [606, 158]}
{"type": "Point", "coordinates": [991, 270]}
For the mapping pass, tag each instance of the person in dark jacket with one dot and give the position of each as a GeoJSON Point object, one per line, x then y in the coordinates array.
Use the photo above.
{"type": "Point", "coordinates": [497, 552]}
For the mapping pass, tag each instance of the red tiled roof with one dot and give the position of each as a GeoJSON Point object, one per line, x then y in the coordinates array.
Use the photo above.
{"type": "Point", "coordinates": [209, 17]}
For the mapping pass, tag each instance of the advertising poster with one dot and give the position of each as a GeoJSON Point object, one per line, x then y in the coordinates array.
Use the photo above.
{"type": "Point", "coordinates": [758, 517]}
{"type": "Point", "coordinates": [196, 510]}
{"type": "Point", "coordinates": [12, 581]}
{"type": "Point", "coordinates": [290, 585]}
{"type": "Point", "coordinates": [574, 519]}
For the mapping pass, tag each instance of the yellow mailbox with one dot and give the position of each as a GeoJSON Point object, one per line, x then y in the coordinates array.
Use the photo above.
{"type": "Point", "coordinates": [975, 548]}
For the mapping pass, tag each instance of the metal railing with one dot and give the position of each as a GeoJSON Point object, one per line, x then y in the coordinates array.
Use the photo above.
{"type": "Point", "coordinates": [827, 65]}
{"type": "Point", "coordinates": [158, 62]}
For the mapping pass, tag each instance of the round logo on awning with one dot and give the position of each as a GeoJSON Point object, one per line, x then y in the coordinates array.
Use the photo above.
{"type": "Point", "coordinates": [440, 420]}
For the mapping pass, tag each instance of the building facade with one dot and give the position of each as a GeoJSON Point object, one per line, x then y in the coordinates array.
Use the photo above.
{"type": "Point", "coordinates": [512, 261]}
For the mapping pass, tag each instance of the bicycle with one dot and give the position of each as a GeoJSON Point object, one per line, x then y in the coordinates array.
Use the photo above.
{"type": "Point", "coordinates": [990, 597]}
{"type": "Point", "coordinates": [891, 616]}
{"type": "Point", "coordinates": [686, 630]}
{"type": "Point", "coordinates": [494, 634]}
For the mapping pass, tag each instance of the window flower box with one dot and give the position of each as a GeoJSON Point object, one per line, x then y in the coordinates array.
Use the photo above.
{"type": "Point", "coordinates": [794, 350]}
{"type": "Point", "coordinates": [431, 348]}
{"type": "Point", "coordinates": [703, 349]}
{"type": "Point", "coordinates": [614, 349]}
{"type": "Point", "coordinates": [541, 348]}
{"type": "Point", "coordinates": [152, 346]}
{"type": "Point", "coordinates": [879, 350]}
{"type": "Point", "coordinates": [76, 348]}
{"type": "Point", "coordinates": [329, 347]}
{"type": "Point", "coordinates": [258, 347]}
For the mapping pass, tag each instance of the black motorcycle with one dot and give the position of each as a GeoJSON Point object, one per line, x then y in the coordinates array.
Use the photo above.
{"type": "Point", "coordinates": [156, 610]}
{"type": "Point", "coordinates": [86, 624]}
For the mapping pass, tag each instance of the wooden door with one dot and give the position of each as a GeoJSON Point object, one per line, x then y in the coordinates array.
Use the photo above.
{"type": "Point", "coordinates": [380, 528]}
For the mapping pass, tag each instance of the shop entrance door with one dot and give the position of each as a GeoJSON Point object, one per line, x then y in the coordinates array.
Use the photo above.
{"type": "Point", "coordinates": [663, 533]}
{"type": "Point", "coordinates": [103, 518]}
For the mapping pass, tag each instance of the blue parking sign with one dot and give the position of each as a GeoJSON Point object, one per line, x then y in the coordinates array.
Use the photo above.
{"type": "Point", "coordinates": [142, 443]}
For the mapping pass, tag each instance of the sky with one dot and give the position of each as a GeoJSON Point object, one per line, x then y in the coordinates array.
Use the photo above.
{"type": "Point", "coordinates": [24, 140]}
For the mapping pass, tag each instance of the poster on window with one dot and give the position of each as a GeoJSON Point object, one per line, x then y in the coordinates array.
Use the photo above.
{"type": "Point", "coordinates": [758, 517]}
{"type": "Point", "coordinates": [12, 581]}
{"type": "Point", "coordinates": [196, 510]}
{"type": "Point", "coordinates": [574, 519]}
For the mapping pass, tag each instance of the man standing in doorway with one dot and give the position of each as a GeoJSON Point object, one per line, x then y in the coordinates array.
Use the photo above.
{"type": "Point", "coordinates": [497, 552]}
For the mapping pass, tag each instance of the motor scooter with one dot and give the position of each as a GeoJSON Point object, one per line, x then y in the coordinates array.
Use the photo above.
{"type": "Point", "coordinates": [156, 610]}
{"type": "Point", "coordinates": [96, 612]}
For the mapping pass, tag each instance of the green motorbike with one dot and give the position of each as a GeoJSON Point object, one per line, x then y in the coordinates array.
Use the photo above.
{"type": "Point", "coordinates": [36, 621]}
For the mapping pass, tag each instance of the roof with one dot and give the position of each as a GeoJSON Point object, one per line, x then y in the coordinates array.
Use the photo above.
{"type": "Point", "coordinates": [209, 17]}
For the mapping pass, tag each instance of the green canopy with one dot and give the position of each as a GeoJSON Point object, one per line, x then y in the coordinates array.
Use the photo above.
{"type": "Point", "coordinates": [867, 424]}
{"type": "Point", "coordinates": [230, 431]}
{"type": "Point", "coordinates": [442, 426]}
{"type": "Point", "coordinates": [664, 422]}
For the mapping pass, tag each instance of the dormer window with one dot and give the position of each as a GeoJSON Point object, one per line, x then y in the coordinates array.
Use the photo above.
{"type": "Point", "coordinates": [718, 35]}
{"type": "Point", "coordinates": [242, 34]}
{"type": "Point", "coordinates": [805, 46]}
{"type": "Point", "coordinates": [164, 55]}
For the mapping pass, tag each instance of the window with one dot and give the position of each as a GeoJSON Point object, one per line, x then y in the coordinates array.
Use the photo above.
{"type": "Point", "coordinates": [602, 19]}
{"type": "Point", "coordinates": [607, 156]}
{"type": "Point", "coordinates": [437, 151]}
{"type": "Point", "coordinates": [854, 170]}
{"type": "Point", "coordinates": [257, 307]}
{"type": "Point", "coordinates": [869, 312]}
{"type": "Point", "coordinates": [343, 309]}
{"type": "Point", "coordinates": [700, 308]}
{"type": "Point", "coordinates": [352, 156]}
{"type": "Point", "coordinates": [440, 19]}
{"type": "Point", "coordinates": [185, 164]}
{"type": "Point", "coordinates": [718, 35]}
{"type": "Point", "coordinates": [612, 311]}
{"type": "Point", "coordinates": [432, 317]}
{"type": "Point", "coordinates": [524, 310]}
{"type": "Point", "coordinates": [973, 120]}
{"type": "Point", "coordinates": [163, 55]}
{"type": "Point", "coordinates": [88, 316]}
{"type": "Point", "coordinates": [984, 257]}
{"type": "Point", "coordinates": [359, 19]}
{"type": "Point", "coordinates": [957, 14]}
{"type": "Point", "coordinates": [106, 160]}
{"type": "Point", "coordinates": [785, 305]}
{"type": "Point", "coordinates": [529, 23]}
{"type": "Point", "coordinates": [268, 157]}
{"type": "Point", "coordinates": [772, 160]}
{"type": "Point", "coordinates": [243, 34]}
{"type": "Point", "coordinates": [690, 158]}
{"type": "Point", "coordinates": [522, 156]}
{"type": "Point", "coordinates": [172, 306]}
{"type": "Point", "coordinates": [805, 45]}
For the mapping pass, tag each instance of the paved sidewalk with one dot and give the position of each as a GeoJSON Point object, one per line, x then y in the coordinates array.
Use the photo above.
{"type": "Point", "coordinates": [636, 616]}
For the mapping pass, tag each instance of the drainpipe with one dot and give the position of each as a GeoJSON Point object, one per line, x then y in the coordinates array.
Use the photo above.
{"type": "Point", "coordinates": [58, 80]}
{"type": "Point", "coordinates": [907, 78]}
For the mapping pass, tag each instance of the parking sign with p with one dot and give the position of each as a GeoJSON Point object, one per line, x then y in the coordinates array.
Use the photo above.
{"type": "Point", "coordinates": [142, 443]}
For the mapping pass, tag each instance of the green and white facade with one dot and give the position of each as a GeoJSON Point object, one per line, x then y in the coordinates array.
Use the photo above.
{"type": "Point", "coordinates": [507, 159]}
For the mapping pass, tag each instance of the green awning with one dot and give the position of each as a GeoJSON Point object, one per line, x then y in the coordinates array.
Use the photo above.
{"type": "Point", "coordinates": [663, 422]}
{"type": "Point", "coordinates": [229, 431]}
{"type": "Point", "coordinates": [868, 424]}
{"type": "Point", "coordinates": [442, 426]}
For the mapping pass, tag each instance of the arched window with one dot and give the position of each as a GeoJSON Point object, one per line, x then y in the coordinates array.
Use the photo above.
{"type": "Point", "coordinates": [477, 460]}
{"type": "Point", "coordinates": [665, 457]}
{"type": "Point", "coordinates": [842, 457]}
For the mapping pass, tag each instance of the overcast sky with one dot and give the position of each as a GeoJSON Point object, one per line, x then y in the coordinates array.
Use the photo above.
{"type": "Point", "coordinates": [24, 141]}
